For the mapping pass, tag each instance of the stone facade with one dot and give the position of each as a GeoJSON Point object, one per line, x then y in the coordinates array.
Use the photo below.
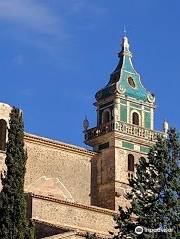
{"type": "Point", "coordinates": [72, 216]}
{"type": "Point", "coordinates": [57, 169]}
{"type": "Point", "coordinates": [4, 116]}
{"type": "Point", "coordinates": [73, 190]}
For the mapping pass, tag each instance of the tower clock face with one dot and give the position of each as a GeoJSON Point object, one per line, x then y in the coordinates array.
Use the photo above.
{"type": "Point", "coordinates": [131, 82]}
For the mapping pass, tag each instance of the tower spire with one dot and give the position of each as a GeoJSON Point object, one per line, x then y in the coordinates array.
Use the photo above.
{"type": "Point", "coordinates": [125, 78]}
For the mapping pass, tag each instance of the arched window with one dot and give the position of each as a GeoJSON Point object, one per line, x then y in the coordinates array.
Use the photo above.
{"type": "Point", "coordinates": [106, 116]}
{"type": "Point", "coordinates": [3, 128]}
{"type": "Point", "coordinates": [130, 162]}
{"type": "Point", "coordinates": [135, 118]}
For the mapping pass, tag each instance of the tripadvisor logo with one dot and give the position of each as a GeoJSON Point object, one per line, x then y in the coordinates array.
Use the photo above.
{"type": "Point", "coordinates": [139, 230]}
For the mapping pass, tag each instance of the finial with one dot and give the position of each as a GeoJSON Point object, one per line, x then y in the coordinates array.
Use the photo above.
{"type": "Point", "coordinates": [165, 126]}
{"type": "Point", "coordinates": [125, 45]}
{"type": "Point", "coordinates": [85, 123]}
{"type": "Point", "coordinates": [125, 32]}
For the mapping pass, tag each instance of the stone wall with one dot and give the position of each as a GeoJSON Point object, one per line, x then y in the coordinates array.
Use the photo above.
{"type": "Point", "coordinates": [69, 235]}
{"type": "Point", "coordinates": [5, 110]}
{"type": "Point", "coordinates": [59, 170]}
{"type": "Point", "coordinates": [4, 114]}
{"type": "Point", "coordinates": [72, 215]}
{"type": "Point", "coordinates": [105, 179]}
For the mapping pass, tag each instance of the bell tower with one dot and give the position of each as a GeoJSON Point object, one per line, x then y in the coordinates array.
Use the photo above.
{"type": "Point", "coordinates": [124, 131]}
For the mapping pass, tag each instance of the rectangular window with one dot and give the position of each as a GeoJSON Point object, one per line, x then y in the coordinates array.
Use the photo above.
{"type": "Point", "coordinates": [104, 146]}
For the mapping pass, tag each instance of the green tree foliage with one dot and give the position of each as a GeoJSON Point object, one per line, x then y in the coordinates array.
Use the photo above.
{"type": "Point", "coordinates": [13, 215]}
{"type": "Point", "coordinates": [91, 236]}
{"type": "Point", "coordinates": [154, 193]}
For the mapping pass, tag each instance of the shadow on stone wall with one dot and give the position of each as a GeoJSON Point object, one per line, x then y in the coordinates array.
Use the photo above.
{"type": "Point", "coordinates": [94, 188]}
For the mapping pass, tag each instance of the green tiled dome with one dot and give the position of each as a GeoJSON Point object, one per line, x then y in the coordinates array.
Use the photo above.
{"type": "Point", "coordinates": [131, 87]}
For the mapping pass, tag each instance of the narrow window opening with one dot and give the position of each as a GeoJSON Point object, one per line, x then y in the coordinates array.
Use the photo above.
{"type": "Point", "coordinates": [131, 163]}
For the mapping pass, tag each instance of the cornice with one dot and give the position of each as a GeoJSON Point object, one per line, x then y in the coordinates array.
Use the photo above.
{"type": "Point", "coordinates": [139, 102]}
{"type": "Point", "coordinates": [74, 204]}
{"type": "Point", "coordinates": [104, 100]}
{"type": "Point", "coordinates": [133, 139]}
{"type": "Point", "coordinates": [29, 138]}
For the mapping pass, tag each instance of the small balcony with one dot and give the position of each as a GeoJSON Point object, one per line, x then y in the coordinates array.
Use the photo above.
{"type": "Point", "coordinates": [98, 131]}
{"type": "Point", "coordinates": [121, 127]}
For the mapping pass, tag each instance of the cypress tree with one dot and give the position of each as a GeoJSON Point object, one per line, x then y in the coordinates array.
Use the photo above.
{"type": "Point", "coordinates": [14, 223]}
{"type": "Point", "coordinates": [154, 193]}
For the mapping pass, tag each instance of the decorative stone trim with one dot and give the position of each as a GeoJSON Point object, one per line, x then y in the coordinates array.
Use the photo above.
{"type": "Point", "coordinates": [133, 139]}
{"type": "Point", "coordinates": [135, 147]}
{"type": "Point", "coordinates": [124, 128]}
{"type": "Point", "coordinates": [136, 106]}
{"type": "Point", "coordinates": [133, 100]}
{"type": "Point", "coordinates": [128, 112]}
{"type": "Point", "coordinates": [56, 144]}
{"type": "Point", "coordinates": [74, 204]}
{"type": "Point", "coordinates": [144, 149]}
{"type": "Point", "coordinates": [127, 145]}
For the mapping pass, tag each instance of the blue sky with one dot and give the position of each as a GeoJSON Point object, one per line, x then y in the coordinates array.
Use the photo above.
{"type": "Point", "coordinates": [56, 54]}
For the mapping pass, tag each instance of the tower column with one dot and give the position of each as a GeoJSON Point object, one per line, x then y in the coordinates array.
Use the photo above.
{"type": "Point", "coordinates": [116, 109]}
{"type": "Point", "coordinates": [142, 121]}
{"type": "Point", "coordinates": [152, 118]}
{"type": "Point", "coordinates": [128, 113]}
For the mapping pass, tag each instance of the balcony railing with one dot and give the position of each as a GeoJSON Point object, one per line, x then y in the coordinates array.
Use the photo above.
{"type": "Point", "coordinates": [122, 127]}
{"type": "Point", "coordinates": [97, 131]}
